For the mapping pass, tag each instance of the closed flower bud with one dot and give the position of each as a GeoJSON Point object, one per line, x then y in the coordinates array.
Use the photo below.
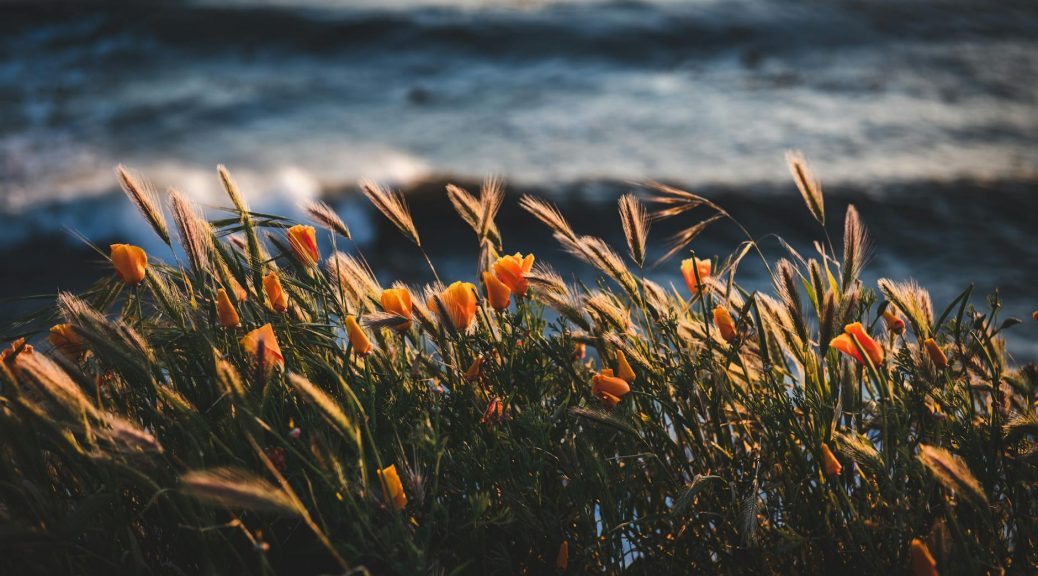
{"type": "Point", "coordinates": [830, 464]}
{"type": "Point", "coordinates": [725, 324]}
{"type": "Point", "coordinates": [498, 294]}
{"type": "Point", "coordinates": [358, 339]}
{"type": "Point", "coordinates": [398, 301]}
{"type": "Point", "coordinates": [262, 340]}
{"type": "Point", "coordinates": [895, 324]}
{"type": "Point", "coordinates": [936, 355]}
{"type": "Point", "coordinates": [277, 298]}
{"type": "Point", "coordinates": [226, 315]}
{"type": "Point", "coordinates": [562, 558]}
{"type": "Point", "coordinates": [392, 488]}
{"type": "Point", "coordinates": [65, 339]}
{"type": "Point", "coordinates": [688, 271]}
{"type": "Point", "coordinates": [303, 240]}
{"type": "Point", "coordinates": [130, 263]}
{"type": "Point", "coordinates": [512, 271]}
{"type": "Point", "coordinates": [923, 563]}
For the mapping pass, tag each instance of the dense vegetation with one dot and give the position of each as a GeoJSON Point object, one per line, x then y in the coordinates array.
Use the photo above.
{"type": "Point", "coordinates": [254, 406]}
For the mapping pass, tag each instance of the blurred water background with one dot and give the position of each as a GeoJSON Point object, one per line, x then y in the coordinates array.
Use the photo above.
{"type": "Point", "coordinates": [923, 113]}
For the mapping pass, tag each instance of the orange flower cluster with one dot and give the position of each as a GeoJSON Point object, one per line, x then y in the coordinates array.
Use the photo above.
{"type": "Point", "coordinates": [508, 277]}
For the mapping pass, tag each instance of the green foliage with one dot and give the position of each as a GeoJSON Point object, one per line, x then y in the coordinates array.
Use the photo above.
{"type": "Point", "coordinates": [158, 443]}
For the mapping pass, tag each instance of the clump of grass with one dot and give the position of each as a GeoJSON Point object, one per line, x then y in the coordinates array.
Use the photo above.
{"type": "Point", "coordinates": [428, 430]}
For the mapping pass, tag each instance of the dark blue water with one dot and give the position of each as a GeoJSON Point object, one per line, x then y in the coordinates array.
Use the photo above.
{"type": "Point", "coordinates": [924, 108]}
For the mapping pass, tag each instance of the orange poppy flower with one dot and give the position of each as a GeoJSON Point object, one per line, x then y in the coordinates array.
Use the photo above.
{"type": "Point", "coordinates": [358, 339]}
{"type": "Point", "coordinates": [936, 355]}
{"type": "Point", "coordinates": [845, 343]}
{"type": "Point", "coordinates": [392, 488]}
{"type": "Point", "coordinates": [277, 298]}
{"type": "Point", "coordinates": [303, 240]}
{"type": "Point", "coordinates": [66, 340]}
{"type": "Point", "coordinates": [226, 315]}
{"type": "Point", "coordinates": [831, 465]}
{"type": "Point", "coordinates": [688, 271]}
{"type": "Point", "coordinates": [623, 368]}
{"type": "Point", "coordinates": [562, 558]}
{"type": "Point", "coordinates": [497, 292]}
{"type": "Point", "coordinates": [512, 270]}
{"type": "Point", "coordinates": [398, 301]}
{"type": "Point", "coordinates": [725, 324]}
{"type": "Point", "coordinates": [895, 324]}
{"type": "Point", "coordinates": [609, 388]}
{"type": "Point", "coordinates": [459, 302]}
{"type": "Point", "coordinates": [923, 563]}
{"type": "Point", "coordinates": [130, 263]}
{"type": "Point", "coordinates": [264, 337]}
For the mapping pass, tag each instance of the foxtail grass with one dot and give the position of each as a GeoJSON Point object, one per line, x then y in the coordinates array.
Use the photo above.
{"type": "Point", "coordinates": [809, 436]}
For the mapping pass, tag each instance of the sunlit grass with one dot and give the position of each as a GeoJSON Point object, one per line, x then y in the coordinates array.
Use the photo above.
{"type": "Point", "coordinates": [263, 407]}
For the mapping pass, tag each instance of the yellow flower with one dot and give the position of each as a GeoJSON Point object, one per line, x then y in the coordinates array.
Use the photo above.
{"type": "Point", "coordinates": [130, 263]}
{"type": "Point", "coordinates": [277, 298]}
{"type": "Point", "coordinates": [562, 558]}
{"type": "Point", "coordinates": [65, 339]}
{"type": "Point", "coordinates": [359, 340]}
{"type": "Point", "coordinates": [398, 301]}
{"type": "Point", "coordinates": [923, 563]}
{"type": "Point", "coordinates": [512, 271]}
{"type": "Point", "coordinates": [845, 343]}
{"type": "Point", "coordinates": [263, 338]}
{"type": "Point", "coordinates": [725, 324]}
{"type": "Point", "coordinates": [609, 388]}
{"type": "Point", "coordinates": [895, 324]}
{"type": "Point", "coordinates": [623, 368]}
{"type": "Point", "coordinates": [226, 315]}
{"type": "Point", "coordinates": [459, 302]}
{"type": "Point", "coordinates": [303, 240]}
{"type": "Point", "coordinates": [392, 488]}
{"type": "Point", "coordinates": [935, 353]}
{"type": "Point", "coordinates": [688, 270]}
{"type": "Point", "coordinates": [831, 465]}
{"type": "Point", "coordinates": [497, 292]}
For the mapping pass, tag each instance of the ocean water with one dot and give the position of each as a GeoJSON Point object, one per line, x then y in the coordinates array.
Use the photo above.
{"type": "Point", "coordinates": [924, 113]}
